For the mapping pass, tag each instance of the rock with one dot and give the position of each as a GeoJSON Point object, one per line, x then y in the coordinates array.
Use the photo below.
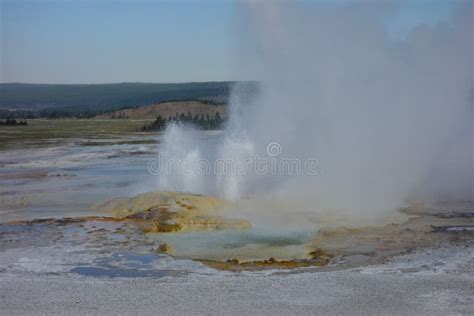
{"type": "Point", "coordinates": [168, 200]}
{"type": "Point", "coordinates": [173, 211]}
{"type": "Point", "coordinates": [321, 257]}
{"type": "Point", "coordinates": [164, 248]}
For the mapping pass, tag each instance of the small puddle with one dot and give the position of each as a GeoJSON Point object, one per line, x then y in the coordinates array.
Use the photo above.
{"type": "Point", "coordinates": [127, 264]}
{"type": "Point", "coordinates": [123, 273]}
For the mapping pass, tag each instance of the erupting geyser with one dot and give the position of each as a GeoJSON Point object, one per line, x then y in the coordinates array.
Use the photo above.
{"type": "Point", "coordinates": [388, 119]}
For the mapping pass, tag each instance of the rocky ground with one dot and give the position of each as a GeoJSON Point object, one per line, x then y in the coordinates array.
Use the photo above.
{"type": "Point", "coordinates": [119, 263]}
{"type": "Point", "coordinates": [414, 286]}
{"type": "Point", "coordinates": [443, 224]}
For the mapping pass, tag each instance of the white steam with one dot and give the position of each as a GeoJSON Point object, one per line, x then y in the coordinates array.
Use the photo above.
{"type": "Point", "coordinates": [387, 120]}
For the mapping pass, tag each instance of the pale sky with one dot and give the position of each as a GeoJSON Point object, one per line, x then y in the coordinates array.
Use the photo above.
{"type": "Point", "coordinates": [97, 41]}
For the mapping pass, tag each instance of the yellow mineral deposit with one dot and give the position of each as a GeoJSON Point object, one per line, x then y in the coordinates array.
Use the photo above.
{"type": "Point", "coordinates": [173, 211]}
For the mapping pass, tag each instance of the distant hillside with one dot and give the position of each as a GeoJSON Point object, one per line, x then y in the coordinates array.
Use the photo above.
{"type": "Point", "coordinates": [88, 100]}
{"type": "Point", "coordinates": [168, 109]}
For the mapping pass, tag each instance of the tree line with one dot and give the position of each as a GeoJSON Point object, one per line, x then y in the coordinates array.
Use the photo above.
{"type": "Point", "coordinates": [50, 113]}
{"type": "Point", "coordinates": [13, 122]}
{"type": "Point", "coordinates": [203, 122]}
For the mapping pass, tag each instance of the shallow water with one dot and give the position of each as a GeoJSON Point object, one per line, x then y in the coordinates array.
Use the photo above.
{"type": "Point", "coordinates": [68, 178]}
{"type": "Point", "coordinates": [253, 244]}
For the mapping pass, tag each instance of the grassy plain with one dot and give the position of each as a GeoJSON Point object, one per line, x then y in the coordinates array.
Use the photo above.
{"type": "Point", "coordinates": [42, 133]}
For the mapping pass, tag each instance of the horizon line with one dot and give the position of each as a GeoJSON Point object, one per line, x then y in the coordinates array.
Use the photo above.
{"type": "Point", "coordinates": [126, 82]}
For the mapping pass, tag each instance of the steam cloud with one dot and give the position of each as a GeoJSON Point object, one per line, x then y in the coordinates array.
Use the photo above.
{"type": "Point", "coordinates": [388, 119]}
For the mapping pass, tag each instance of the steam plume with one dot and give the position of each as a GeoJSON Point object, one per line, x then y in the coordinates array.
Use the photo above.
{"type": "Point", "coordinates": [388, 120]}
